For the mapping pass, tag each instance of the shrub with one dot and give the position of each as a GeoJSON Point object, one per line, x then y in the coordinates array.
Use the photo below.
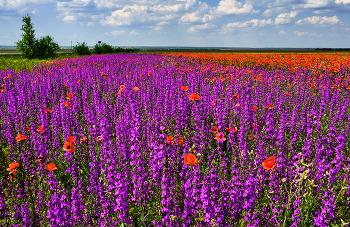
{"type": "Point", "coordinates": [81, 49]}
{"type": "Point", "coordinates": [103, 49]}
{"type": "Point", "coordinates": [45, 47]}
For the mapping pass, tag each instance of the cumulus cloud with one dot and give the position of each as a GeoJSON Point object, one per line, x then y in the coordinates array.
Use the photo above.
{"type": "Point", "coordinates": [302, 34]}
{"type": "Point", "coordinates": [133, 32]}
{"type": "Point", "coordinates": [205, 26]}
{"type": "Point", "coordinates": [252, 23]}
{"type": "Point", "coordinates": [319, 20]}
{"type": "Point", "coordinates": [285, 18]}
{"type": "Point", "coordinates": [19, 5]}
{"type": "Point", "coordinates": [316, 3]}
{"type": "Point", "coordinates": [70, 18]}
{"type": "Point", "coordinates": [282, 32]}
{"type": "Point", "coordinates": [342, 1]}
{"type": "Point", "coordinates": [228, 7]}
{"type": "Point", "coordinates": [118, 32]}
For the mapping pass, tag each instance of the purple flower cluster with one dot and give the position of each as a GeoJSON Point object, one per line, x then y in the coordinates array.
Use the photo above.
{"type": "Point", "coordinates": [131, 166]}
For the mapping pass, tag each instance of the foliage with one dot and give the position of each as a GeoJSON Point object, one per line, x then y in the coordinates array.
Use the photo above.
{"type": "Point", "coordinates": [81, 49]}
{"type": "Point", "coordinates": [30, 47]}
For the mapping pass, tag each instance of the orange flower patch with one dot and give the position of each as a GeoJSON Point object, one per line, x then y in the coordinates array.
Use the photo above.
{"type": "Point", "coordinates": [190, 159]}
{"type": "Point", "coordinates": [41, 129]}
{"type": "Point", "coordinates": [51, 167]}
{"type": "Point", "coordinates": [269, 163]}
{"type": "Point", "coordinates": [169, 140]}
{"type": "Point", "coordinates": [194, 96]}
{"type": "Point", "coordinates": [21, 137]}
{"type": "Point", "coordinates": [136, 88]}
{"type": "Point", "coordinates": [184, 88]}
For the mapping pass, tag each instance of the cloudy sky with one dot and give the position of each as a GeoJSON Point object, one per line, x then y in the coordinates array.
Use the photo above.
{"type": "Point", "coordinates": [208, 23]}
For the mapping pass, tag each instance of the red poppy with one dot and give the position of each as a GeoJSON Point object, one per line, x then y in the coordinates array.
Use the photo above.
{"type": "Point", "coordinates": [136, 88]}
{"type": "Point", "coordinates": [184, 88]}
{"type": "Point", "coordinates": [269, 106]}
{"type": "Point", "coordinates": [149, 74]}
{"type": "Point", "coordinates": [83, 139]}
{"type": "Point", "coordinates": [220, 137]}
{"type": "Point", "coordinates": [65, 84]}
{"type": "Point", "coordinates": [122, 87]}
{"type": "Point", "coordinates": [41, 129]}
{"type": "Point", "coordinates": [169, 140]}
{"type": "Point", "coordinates": [28, 129]}
{"type": "Point", "coordinates": [313, 86]}
{"type": "Point", "coordinates": [269, 163]}
{"type": "Point", "coordinates": [99, 138]}
{"type": "Point", "coordinates": [213, 103]}
{"type": "Point", "coordinates": [287, 93]}
{"type": "Point", "coordinates": [2, 90]}
{"type": "Point", "coordinates": [51, 167]}
{"type": "Point", "coordinates": [21, 137]}
{"type": "Point", "coordinates": [78, 81]}
{"type": "Point", "coordinates": [238, 105]}
{"type": "Point", "coordinates": [254, 108]}
{"type": "Point", "coordinates": [69, 145]}
{"type": "Point", "coordinates": [142, 76]}
{"type": "Point", "coordinates": [194, 96]}
{"type": "Point", "coordinates": [235, 96]}
{"type": "Point", "coordinates": [12, 169]}
{"type": "Point", "coordinates": [288, 85]}
{"type": "Point", "coordinates": [69, 95]}
{"type": "Point", "coordinates": [190, 159]}
{"type": "Point", "coordinates": [67, 104]}
{"type": "Point", "coordinates": [233, 129]}
{"type": "Point", "coordinates": [180, 141]}
{"type": "Point", "coordinates": [214, 129]}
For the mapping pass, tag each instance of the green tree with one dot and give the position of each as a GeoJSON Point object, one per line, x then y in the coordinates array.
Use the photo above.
{"type": "Point", "coordinates": [30, 47]}
{"type": "Point", "coordinates": [81, 49]}
{"type": "Point", "coordinates": [27, 44]}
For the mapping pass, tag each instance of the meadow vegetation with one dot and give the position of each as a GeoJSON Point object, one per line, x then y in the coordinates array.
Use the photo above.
{"type": "Point", "coordinates": [176, 139]}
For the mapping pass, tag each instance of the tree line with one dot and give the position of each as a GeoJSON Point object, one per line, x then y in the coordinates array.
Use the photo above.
{"type": "Point", "coordinates": [45, 47]}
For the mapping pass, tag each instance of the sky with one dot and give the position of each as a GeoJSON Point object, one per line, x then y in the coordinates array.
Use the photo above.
{"type": "Point", "coordinates": [208, 23]}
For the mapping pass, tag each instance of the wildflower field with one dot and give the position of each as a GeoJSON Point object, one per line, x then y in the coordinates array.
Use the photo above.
{"type": "Point", "coordinates": [177, 140]}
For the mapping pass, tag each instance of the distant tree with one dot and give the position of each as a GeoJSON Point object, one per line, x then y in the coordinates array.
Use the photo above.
{"type": "Point", "coordinates": [81, 49]}
{"type": "Point", "coordinates": [46, 47]}
{"type": "Point", "coordinates": [103, 49]}
{"type": "Point", "coordinates": [27, 44]}
{"type": "Point", "coordinates": [35, 48]}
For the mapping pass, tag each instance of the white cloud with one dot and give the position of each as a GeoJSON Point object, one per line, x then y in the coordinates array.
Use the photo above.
{"type": "Point", "coordinates": [20, 4]}
{"type": "Point", "coordinates": [190, 18]}
{"type": "Point", "coordinates": [284, 18]}
{"type": "Point", "coordinates": [282, 32]}
{"type": "Point", "coordinates": [302, 34]}
{"type": "Point", "coordinates": [252, 23]}
{"type": "Point", "coordinates": [133, 32]}
{"type": "Point", "coordinates": [272, 10]}
{"type": "Point", "coordinates": [342, 1]}
{"type": "Point", "coordinates": [319, 20]}
{"type": "Point", "coordinates": [118, 32]}
{"type": "Point", "coordinates": [90, 23]}
{"type": "Point", "coordinates": [70, 18]}
{"type": "Point", "coordinates": [201, 27]}
{"type": "Point", "coordinates": [228, 7]}
{"type": "Point", "coordinates": [316, 3]}
{"type": "Point", "coordinates": [162, 23]}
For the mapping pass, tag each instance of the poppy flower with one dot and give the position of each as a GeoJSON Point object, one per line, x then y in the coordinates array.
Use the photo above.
{"type": "Point", "coordinates": [122, 87]}
{"type": "Point", "coordinates": [21, 137]}
{"type": "Point", "coordinates": [288, 85]}
{"type": "Point", "coordinates": [28, 129]}
{"type": "Point", "coordinates": [235, 96]}
{"type": "Point", "coordinates": [150, 74]}
{"type": "Point", "coordinates": [254, 108]}
{"type": "Point", "coordinates": [78, 81]}
{"type": "Point", "coordinates": [180, 141]}
{"type": "Point", "coordinates": [69, 145]}
{"type": "Point", "coordinates": [287, 93]}
{"type": "Point", "coordinates": [233, 129]}
{"type": "Point", "coordinates": [238, 105]}
{"type": "Point", "coordinates": [220, 137]}
{"type": "Point", "coordinates": [169, 140]}
{"type": "Point", "coordinates": [213, 103]}
{"type": "Point", "coordinates": [99, 138]}
{"type": "Point", "coordinates": [41, 160]}
{"type": "Point", "coordinates": [136, 88]}
{"type": "Point", "coordinates": [194, 96]}
{"type": "Point", "coordinates": [190, 159]}
{"type": "Point", "coordinates": [269, 106]}
{"type": "Point", "coordinates": [184, 88]}
{"type": "Point", "coordinates": [69, 95]}
{"type": "Point", "coordinates": [67, 104]}
{"type": "Point", "coordinates": [214, 129]}
{"type": "Point", "coordinates": [65, 84]}
{"type": "Point", "coordinates": [269, 163]}
{"type": "Point", "coordinates": [51, 167]}
{"type": "Point", "coordinates": [3, 85]}
{"type": "Point", "coordinates": [142, 76]}
{"type": "Point", "coordinates": [12, 166]}
{"type": "Point", "coordinates": [313, 87]}
{"type": "Point", "coordinates": [83, 139]}
{"type": "Point", "coordinates": [41, 129]}
{"type": "Point", "coordinates": [2, 90]}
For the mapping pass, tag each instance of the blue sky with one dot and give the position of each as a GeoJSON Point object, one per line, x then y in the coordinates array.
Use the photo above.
{"type": "Point", "coordinates": [210, 23]}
